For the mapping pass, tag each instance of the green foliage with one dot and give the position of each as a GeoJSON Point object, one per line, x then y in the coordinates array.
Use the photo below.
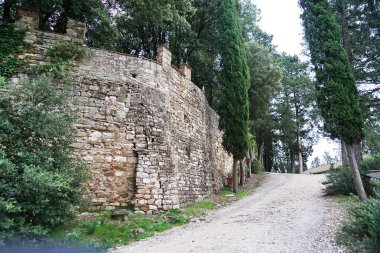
{"type": "Point", "coordinates": [337, 95]}
{"type": "Point", "coordinates": [360, 21]}
{"type": "Point", "coordinates": [233, 105]}
{"type": "Point", "coordinates": [62, 58]}
{"type": "Point", "coordinates": [265, 84]}
{"type": "Point", "coordinates": [371, 163]}
{"type": "Point", "coordinates": [11, 42]}
{"type": "Point", "coordinates": [249, 16]}
{"type": "Point", "coordinates": [202, 47]}
{"type": "Point", "coordinates": [147, 24]}
{"type": "Point", "coordinates": [40, 183]}
{"type": "Point", "coordinates": [62, 52]}
{"type": "Point", "coordinates": [361, 231]}
{"type": "Point", "coordinates": [3, 81]}
{"type": "Point", "coordinates": [363, 24]}
{"type": "Point", "coordinates": [101, 231]}
{"type": "Point", "coordinates": [341, 182]}
{"type": "Point", "coordinates": [175, 217]}
{"type": "Point", "coordinates": [256, 166]}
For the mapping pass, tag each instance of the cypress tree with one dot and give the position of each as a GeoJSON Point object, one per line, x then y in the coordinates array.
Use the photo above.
{"type": "Point", "coordinates": [232, 96]}
{"type": "Point", "coordinates": [337, 94]}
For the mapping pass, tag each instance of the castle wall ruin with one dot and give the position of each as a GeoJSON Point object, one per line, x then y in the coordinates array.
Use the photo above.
{"type": "Point", "coordinates": [145, 130]}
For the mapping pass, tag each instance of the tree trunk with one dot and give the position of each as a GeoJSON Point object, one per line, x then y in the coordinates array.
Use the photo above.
{"type": "Point", "coordinates": [261, 154]}
{"type": "Point", "coordinates": [292, 161]}
{"type": "Point", "coordinates": [299, 144]}
{"type": "Point", "coordinates": [242, 172]}
{"type": "Point", "coordinates": [355, 171]}
{"type": "Point", "coordinates": [358, 153]}
{"type": "Point", "coordinates": [7, 10]}
{"type": "Point", "coordinates": [250, 157]}
{"type": "Point", "coordinates": [234, 173]}
{"type": "Point", "coordinates": [61, 24]}
{"type": "Point", "coordinates": [345, 34]}
{"type": "Point", "coordinates": [345, 161]}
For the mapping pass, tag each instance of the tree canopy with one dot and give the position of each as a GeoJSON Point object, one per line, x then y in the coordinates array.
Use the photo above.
{"type": "Point", "coordinates": [337, 94]}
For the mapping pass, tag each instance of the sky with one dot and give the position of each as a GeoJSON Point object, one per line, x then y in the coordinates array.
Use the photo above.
{"type": "Point", "coordinates": [281, 18]}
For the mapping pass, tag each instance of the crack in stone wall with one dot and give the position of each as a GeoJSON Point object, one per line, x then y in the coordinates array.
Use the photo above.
{"type": "Point", "coordinates": [145, 130]}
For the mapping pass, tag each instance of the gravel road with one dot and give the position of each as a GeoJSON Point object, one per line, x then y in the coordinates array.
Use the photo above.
{"type": "Point", "coordinates": [287, 214]}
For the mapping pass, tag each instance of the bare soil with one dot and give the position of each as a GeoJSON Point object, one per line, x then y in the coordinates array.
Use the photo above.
{"type": "Point", "coordinates": [288, 213]}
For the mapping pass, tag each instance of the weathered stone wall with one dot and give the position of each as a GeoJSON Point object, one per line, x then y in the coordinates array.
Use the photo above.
{"type": "Point", "coordinates": [145, 130]}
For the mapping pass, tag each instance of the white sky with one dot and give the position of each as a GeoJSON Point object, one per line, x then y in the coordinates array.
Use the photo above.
{"type": "Point", "coordinates": [281, 18]}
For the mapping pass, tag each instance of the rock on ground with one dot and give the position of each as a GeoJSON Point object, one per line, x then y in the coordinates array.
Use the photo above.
{"type": "Point", "coordinates": [288, 214]}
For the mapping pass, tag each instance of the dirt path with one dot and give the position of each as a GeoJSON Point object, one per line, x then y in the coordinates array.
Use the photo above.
{"type": "Point", "coordinates": [287, 214]}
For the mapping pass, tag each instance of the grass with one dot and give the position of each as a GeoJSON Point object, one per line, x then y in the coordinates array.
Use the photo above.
{"type": "Point", "coordinates": [102, 232]}
{"type": "Point", "coordinates": [345, 200]}
{"type": "Point", "coordinates": [360, 231]}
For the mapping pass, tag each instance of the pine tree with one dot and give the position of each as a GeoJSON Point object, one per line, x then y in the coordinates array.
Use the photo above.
{"type": "Point", "coordinates": [265, 84]}
{"type": "Point", "coordinates": [232, 98]}
{"type": "Point", "coordinates": [337, 95]}
{"type": "Point", "coordinates": [299, 90]}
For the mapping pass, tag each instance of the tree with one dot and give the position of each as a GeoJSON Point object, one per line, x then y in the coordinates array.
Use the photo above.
{"type": "Point", "coordinates": [285, 131]}
{"type": "Point", "coordinates": [360, 21]}
{"type": "Point", "coordinates": [202, 54]}
{"type": "Point", "coordinates": [145, 24]}
{"type": "Point", "coordinates": [265, 75]}
{"type": "Point", "coordinates": [249, 18]}
{"type": "Point", "coordinates": [232, 98]}
{"type": "Point", "coordinates": [299, 93]}
{"type": "Point", "coordinates": [327, 158]}
{"type": "Point", "coordinates": [316, 162]}
{"type": "Point", "coordinates": [40, 182]}
{"type": "Point", "coordinates": [54, 14]}
{"type": "Point", "coordinates": [337, 95]}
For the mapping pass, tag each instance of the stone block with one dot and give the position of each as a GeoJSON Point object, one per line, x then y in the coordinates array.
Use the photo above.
{"type": "Point", "coordinates": [146, 181]}
{"type": "Point", "coordinates": [153, 207]}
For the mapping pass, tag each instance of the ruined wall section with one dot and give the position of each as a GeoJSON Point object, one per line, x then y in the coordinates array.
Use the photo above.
{"type": "Point", "coordinates": [145, 130]}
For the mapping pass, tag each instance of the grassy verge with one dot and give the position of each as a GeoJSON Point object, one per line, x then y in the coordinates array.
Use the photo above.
{"type": "Point", "coordinates": [101, 232]}
{"type": "Point", "coordinates": [360, 231]}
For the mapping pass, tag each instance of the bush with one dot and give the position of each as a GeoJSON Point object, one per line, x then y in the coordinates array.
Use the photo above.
{"type": "Point", "coordinates": [11, 42]}
{"type": "Point", "coordinates": [341, 182]}
{"type": "Point", "coordinates": [62, 59]}
{"type": "Point", "coordinates": [363, 225]}
{"type": "Point", "coordinates": [371, 163]}
{"type": "Point", "coordinates": [40, 182]}
{"type": "Point", "coordinates": [256, 166]}
{"type": "Point", "coordinates": [66, 52]}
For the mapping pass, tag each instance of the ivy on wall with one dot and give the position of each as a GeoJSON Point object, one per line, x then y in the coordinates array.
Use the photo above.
{"type": "Point", "coordinates": [11, 43]}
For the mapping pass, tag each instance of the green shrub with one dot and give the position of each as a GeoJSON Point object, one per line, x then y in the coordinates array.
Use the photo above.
{"type": "Point", "coordinates": [341, 182]}
{"type": "Point", "coordinates": [363, 225]}
{"type": "Point", "coordinates": [40, 182]}
{"type": "Point", "coordinates": [11, 42]}
{"type": "Point", "coordinates": [256, 166]}
{"type": "Point", "coordinates": [62, 58]}
{"type": "Point", "coordinates": [66, 52]}
{"type": "Point", "coordinates": [177, 217]}
{"type": "Point", "coordinates": [371, 163]}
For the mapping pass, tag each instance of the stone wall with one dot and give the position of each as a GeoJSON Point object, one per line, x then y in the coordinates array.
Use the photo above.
{"type": "Point", "coordinates": [145, 130]}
